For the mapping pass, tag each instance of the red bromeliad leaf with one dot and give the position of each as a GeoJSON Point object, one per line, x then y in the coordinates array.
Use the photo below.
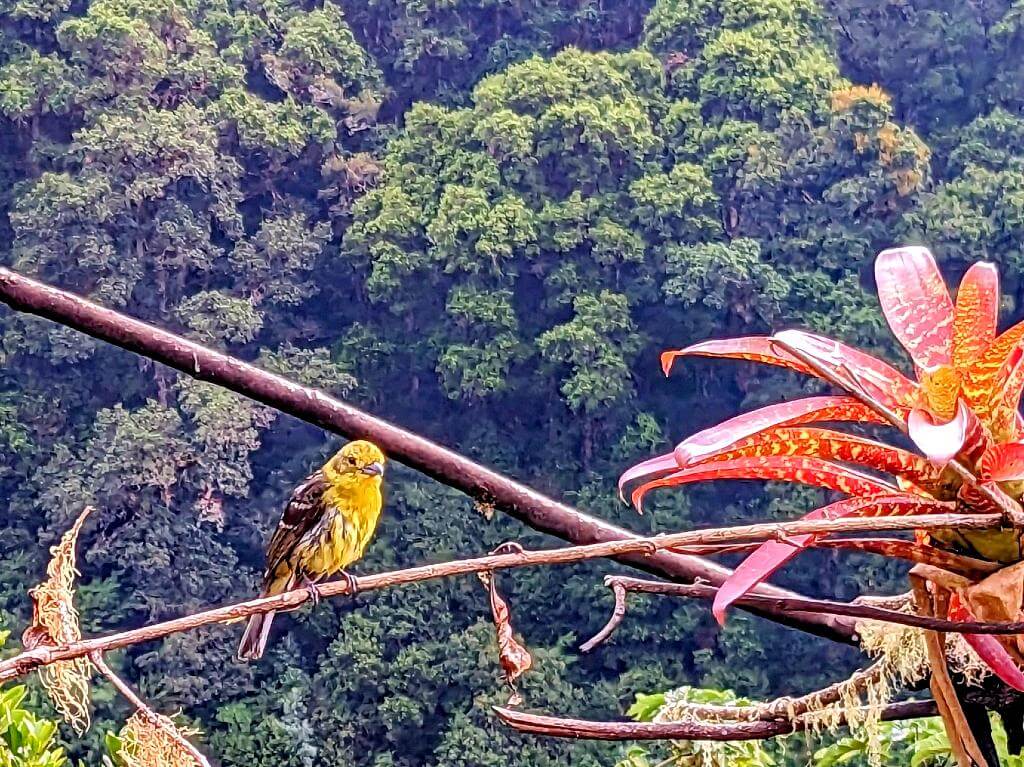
{"type": "Point", "coordinates": [976, 500]}
{"type": "Point", "coordinates": [832, 445]}
{"type": "Point", "coordinates": [881, 379]}
{"type": "Point", "coordinates": [988, 647]}
{"type": "Point", "coordinates": [727, 433]}
{"type": "Point", "coordinates": [652, 467]}
{"type": "Point", "coordinates": [1003, 463]}
{"type": "Point", "coordinates": [916, 304]}
{"type": "Point", "coordinates": [772, 555]}
{"type": "Point", "coordinates": [750, 348]}
{"type": "Point", "coordinates": [808, 410]}
{"type": "Point", "coordinates": [1003, 409]}
{"type": "Point", "coordinates": [940, 442]}
{"type": "Point", "coordinates": [976, 314]}
{"type": "Point", "coordinates": [808, 471]}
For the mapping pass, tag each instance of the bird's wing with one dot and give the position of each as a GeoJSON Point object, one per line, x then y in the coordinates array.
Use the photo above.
{"type": "Point", "coordinates": [303, 511]}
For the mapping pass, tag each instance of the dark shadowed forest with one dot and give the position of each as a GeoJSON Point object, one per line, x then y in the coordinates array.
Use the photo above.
{"type": "Point", "coordinates": [482, 220]}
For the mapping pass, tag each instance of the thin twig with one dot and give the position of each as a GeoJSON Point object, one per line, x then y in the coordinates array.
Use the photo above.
{"type": "Point", "coordinates": [887, 547]}
{"type": "Point", "coordinates": [158, 721]}
{"type": "Point", "coordinates": [618, 613]}
{"type": "Point", "coordinates": [46, 654]}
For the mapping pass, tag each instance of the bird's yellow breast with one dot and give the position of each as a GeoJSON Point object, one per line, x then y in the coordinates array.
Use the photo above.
{"type": "Point", "coordinates": [352, 511]}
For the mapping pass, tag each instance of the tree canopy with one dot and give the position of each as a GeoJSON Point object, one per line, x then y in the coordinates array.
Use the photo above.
{"type": "Point", "coordinates": [483, 221]}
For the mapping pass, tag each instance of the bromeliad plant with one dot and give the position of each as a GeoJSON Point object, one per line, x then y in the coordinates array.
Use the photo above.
{"type": "Point", "coordinates": [960, 410]}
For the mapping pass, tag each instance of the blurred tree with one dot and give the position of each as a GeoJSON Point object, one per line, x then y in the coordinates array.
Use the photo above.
{"type": "Point", "coordinates": [496, 265]}
{"type": "Point", "coordinates": [169, 158]}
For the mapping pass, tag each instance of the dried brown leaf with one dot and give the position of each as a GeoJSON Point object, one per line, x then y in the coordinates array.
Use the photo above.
{"type": "Point", "coordinates": [55, 622]}
{"type": "Point", "coordinates": [515, 659]}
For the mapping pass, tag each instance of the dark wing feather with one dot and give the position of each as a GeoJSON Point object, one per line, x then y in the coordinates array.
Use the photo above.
{"type": "Point", "coordinates": [303, 511]}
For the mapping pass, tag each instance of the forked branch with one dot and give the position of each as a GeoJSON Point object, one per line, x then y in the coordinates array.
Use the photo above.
{"type": "Point", "coordinates": [559, 727]}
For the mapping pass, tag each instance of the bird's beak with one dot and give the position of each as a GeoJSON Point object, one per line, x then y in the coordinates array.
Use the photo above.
{"type": "Point", "coordinates": [375, 469]}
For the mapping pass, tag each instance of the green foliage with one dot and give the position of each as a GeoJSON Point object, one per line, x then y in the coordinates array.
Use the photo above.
{"type": "Point", "coordinates": [686, 754]}
{"type": "Point", "coordinates": [25, 739]}
{"type": "Point", "coordinates": [918, 743]}
{"type": "Point", "coordinates": [941, 58]}
{"type": "Point", "coordinates": [482, 221]}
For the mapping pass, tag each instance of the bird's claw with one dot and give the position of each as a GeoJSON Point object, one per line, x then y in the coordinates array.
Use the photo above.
{"type": "Point", "coordinates": [509, 547]}
{"type": "Point", "coordinates": [313, 589]}
{"type": "Point", "coordinates": [352, 582]}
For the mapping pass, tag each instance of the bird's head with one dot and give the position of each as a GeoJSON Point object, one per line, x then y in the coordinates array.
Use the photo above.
{"type": "Point", "coordinates": [358, 459]}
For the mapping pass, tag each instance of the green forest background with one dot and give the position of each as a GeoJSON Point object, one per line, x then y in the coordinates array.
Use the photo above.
{"type": "Point", "coordinates": [481, 219]}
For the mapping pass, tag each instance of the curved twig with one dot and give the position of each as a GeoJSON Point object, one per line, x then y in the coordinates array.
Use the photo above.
{"type": "Point", "coordinates": [621, 585]}
{"type": "Point", "coordinates": [886, 547]}
{"type": "Point", "coordinates": [618, 613]}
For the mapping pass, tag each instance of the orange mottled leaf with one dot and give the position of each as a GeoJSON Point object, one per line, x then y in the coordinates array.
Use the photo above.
{"type": "Point", "coordinates": [1003, 463]}
{"type": "Point", "coordinates": [988, 647]}
{"type": "Point", "coordinates": [832, 445]}
{"type": "Point", "coordinates": [807, 410]}
{"type": "Point", "coordinates": [916, 304]}
{"type": "Point", "coordinates": [992, 383]}
{"type": "Point", "coordinates": [772, 555]}
{"type": "Point", "coordinates": [976, 314]}
{"type": "Point", "coordinates": [807, 471]}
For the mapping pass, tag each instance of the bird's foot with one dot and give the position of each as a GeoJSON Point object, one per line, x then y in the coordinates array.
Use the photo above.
{"type": "Point", "coordinates": [313, 589]}
{"type": "Point", "coordinates": [351, 581]}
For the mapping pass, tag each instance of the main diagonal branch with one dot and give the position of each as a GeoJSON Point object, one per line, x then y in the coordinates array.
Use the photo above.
{"type": "Point", "coordinates": [43, 655]}
{"type": "Point", "coordinates": [316, 407]}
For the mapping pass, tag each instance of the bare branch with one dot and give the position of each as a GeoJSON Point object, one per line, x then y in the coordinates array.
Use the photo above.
{"type": "Point", "coordinates": [46, 654]}
{"type": "Point", "coordinates": [558, 727]}
{"type": "Point", "coordinates": [316, 407]}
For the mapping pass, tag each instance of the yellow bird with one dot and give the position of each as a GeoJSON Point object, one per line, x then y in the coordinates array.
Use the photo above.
{"type": "Point", "coordinates": [327, 524]}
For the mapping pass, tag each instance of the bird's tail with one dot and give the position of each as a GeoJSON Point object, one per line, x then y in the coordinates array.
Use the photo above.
{"type": "Point", "coordinates": [257, 631]}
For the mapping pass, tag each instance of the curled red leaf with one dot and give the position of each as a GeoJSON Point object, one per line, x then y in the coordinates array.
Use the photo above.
{"type": "Point", "coordinates": [1003, 463]}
